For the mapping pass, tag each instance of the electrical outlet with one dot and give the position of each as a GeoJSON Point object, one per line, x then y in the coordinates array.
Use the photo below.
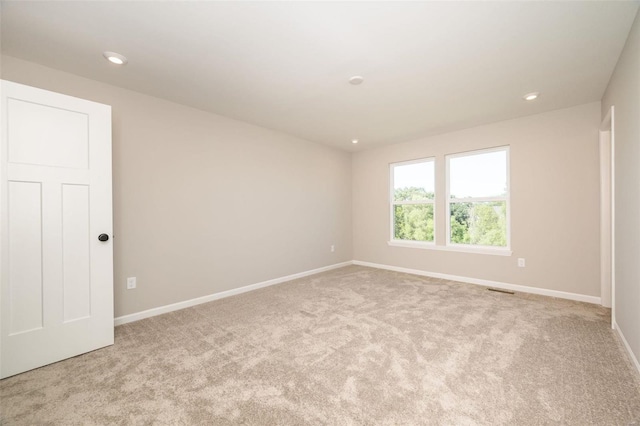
{"type": "Point", "coordinates": [521, 262]}
{"type": "Point", "coordinates": [131, 283]}
{"type": "Point", "coordinates": [333, 248]}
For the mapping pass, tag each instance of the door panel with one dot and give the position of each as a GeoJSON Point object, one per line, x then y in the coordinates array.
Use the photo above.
{"type": "Point", "coordinates": [76, 267]}
{"type": "Point", "coordinates": [25, 257]}
{"type": "Point", "coordinates": [55, 199]}
{"type": "Point", "coordinates": [31, 144]}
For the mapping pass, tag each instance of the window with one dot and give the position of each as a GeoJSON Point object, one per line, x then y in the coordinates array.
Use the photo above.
{"type": "Point", "coordinates": [412, 198]}
{"type": "Point", "coordinates": [478, 198]}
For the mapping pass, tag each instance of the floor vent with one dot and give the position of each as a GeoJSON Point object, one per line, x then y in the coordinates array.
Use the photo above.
{"type": "Point", "coordinates": [499, 290]}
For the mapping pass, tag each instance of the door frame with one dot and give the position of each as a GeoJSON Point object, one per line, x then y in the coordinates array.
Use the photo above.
{"type": "Point", "coordinates": [607, 212]}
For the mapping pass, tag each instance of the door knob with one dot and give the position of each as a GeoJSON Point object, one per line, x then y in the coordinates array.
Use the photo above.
{"type": "Point", "coordinates": [103, 237]}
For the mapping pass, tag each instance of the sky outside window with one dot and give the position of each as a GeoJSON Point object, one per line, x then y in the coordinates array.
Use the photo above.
{"type": "Point", "coordinates": [478, 175]}
{"type": "Point", "coordinates": [418, 175]}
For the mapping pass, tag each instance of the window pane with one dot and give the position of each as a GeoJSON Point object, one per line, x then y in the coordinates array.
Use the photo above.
{"type": "Point", "coordinates": [478, 175]}
{"type": "Point", "coordinates": [413, 222]}
{"type": "Point", "coordinates": [481, 223]}
{"type": "Point", "coordinates": [413, 182]}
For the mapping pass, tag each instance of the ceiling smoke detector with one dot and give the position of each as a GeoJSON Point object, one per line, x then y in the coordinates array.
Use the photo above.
{"type": "Point", "coordinates": [356, 79]}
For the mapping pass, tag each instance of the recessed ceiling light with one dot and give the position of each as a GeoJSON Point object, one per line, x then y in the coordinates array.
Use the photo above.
{"type": "Point", "coordinates": [115, 58]}
{"type": "Point", "coordinates": [354, 140]}
{"type": "Point", "coordinates": [531, 96]}
{"type": "Point", "coordinates": [356, 79]}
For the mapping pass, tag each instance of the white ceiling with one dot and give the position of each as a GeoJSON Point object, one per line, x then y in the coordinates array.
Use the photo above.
{"type": "Point", "coordinates": [429, 67]}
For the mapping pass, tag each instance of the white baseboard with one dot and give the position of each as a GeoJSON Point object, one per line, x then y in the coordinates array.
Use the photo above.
{"type": "Point", "coordinates": [495, 284]}
{"type": "Point", "coordinates": [487, 283]}
{"type": "Point", "coordinates": [204, 299]}
{"type": "Point", "coordinates": [633, 357]}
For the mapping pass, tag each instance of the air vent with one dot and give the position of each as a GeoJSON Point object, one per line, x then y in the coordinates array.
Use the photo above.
{"type": "Point", "coordinates": [499, 290]}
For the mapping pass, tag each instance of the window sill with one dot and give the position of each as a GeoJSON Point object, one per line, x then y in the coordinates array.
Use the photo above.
{"type": "Point", "coordinates": [462, 249]}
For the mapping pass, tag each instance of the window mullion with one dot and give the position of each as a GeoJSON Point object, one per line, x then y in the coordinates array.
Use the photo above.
{"type": "Point", "coordinates": [477, 199]}
{"type": "Point", "coordinates": [413, 202]}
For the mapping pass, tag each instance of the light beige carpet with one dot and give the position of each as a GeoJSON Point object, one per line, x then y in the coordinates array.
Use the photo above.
{"type": "Point", "coordinates": [351, 346]}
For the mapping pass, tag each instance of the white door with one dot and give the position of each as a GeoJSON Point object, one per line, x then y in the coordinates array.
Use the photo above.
{"type": "Point", "coordinates": [55, 200]}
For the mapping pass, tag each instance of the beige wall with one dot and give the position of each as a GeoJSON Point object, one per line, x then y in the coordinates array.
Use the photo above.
{"type": "Point", "coordinates": [624, 93]}
{"type": "Point", "coordinates": [554, 202]}
{"type": "Point", "coordinates": [204, 204]}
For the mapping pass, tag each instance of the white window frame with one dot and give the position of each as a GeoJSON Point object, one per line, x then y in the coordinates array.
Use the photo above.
{"type": "Point", "coordinates": [504, 250]}
{"type": "Point", "coordinates": [392, 203]}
